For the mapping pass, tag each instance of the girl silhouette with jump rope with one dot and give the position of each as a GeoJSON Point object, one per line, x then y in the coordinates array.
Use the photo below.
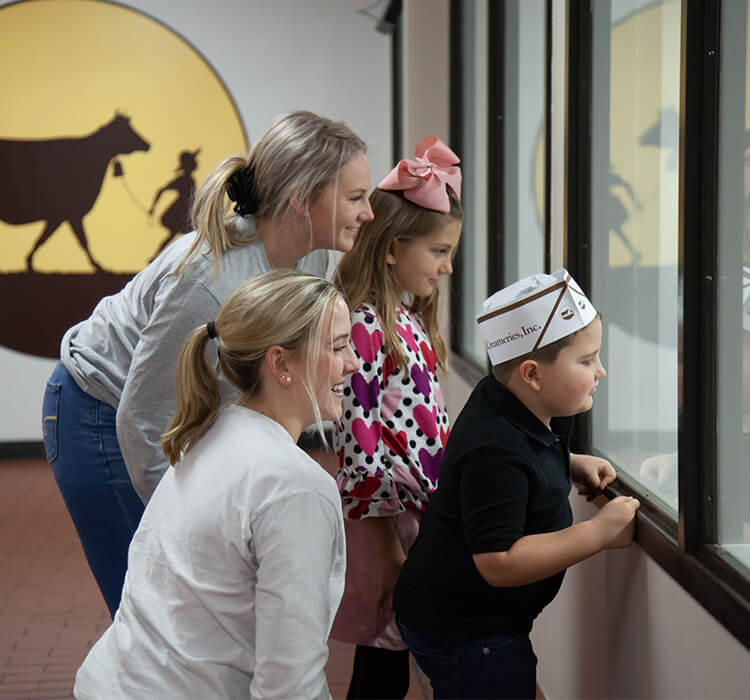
{"type": "Point", "coordinates": [176, 218]}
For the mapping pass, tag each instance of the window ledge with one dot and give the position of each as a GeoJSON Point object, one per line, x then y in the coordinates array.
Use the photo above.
{"type": "Point", "coordinates": [707, 575]}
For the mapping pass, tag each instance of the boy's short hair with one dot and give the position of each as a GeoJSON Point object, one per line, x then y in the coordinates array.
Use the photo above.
{"type": "Point", "coordinates": [545, 355]}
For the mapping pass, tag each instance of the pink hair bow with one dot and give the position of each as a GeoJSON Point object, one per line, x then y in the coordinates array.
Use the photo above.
{"type": "Point", "coordinates": [423, 180]}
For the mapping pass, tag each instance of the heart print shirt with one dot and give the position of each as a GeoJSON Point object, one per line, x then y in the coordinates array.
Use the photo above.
{"type": "Point", "coordinates": [394, 426]}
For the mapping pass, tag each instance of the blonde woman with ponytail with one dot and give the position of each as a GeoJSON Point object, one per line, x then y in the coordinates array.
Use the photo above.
{"type": "Point", "coordinates": [237, 567]}
{"type": "Point", "coordinates": [302, 189]}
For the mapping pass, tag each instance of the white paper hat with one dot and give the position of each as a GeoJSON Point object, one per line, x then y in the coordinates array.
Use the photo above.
{"type": "Point", "coordinates": [532, 313]}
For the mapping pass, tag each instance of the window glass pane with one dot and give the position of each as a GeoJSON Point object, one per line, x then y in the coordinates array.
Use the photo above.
{"type": "Point", "coordinates": [524, 138]}
{"type": "Point", "coordinates": [733, 285]}
{"type": "Point", "coordinates": [635, 247]}
{"type": "Point", "coordinates": [474, 167]}
{"type": "Point", "coordinates": [524, 150]}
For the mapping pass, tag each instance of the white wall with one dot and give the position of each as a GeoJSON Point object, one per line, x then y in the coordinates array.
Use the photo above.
{"type": "Point", "coordinates": [425, 67]}
{"type": "Point", "coordinates": [620, 626]}
{"type": "Point", "coordinates": [321, 55]}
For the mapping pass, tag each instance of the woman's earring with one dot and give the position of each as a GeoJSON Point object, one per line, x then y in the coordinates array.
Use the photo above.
{"type": "Point", "coordinates": [285, 378]}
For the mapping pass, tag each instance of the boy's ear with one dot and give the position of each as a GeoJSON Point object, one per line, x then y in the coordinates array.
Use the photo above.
{"type": "Point", "coordinates": [530, 375]}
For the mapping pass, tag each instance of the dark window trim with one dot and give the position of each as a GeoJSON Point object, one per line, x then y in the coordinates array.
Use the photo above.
{"type": "Point", "coordinates": [698, 227]}
{"type": "Point", "coordinates": [496, 21]}
{"type": "Point", "coordinates": [578, 167]}
{"type": "Point", "coordinates": [456, 129]}
{"type": "Point", "coordinates": [578, 143]}
{"type": "Point", "coordinates": [397, 69]}
{"type": "Point", "coordinates": [685, 549]}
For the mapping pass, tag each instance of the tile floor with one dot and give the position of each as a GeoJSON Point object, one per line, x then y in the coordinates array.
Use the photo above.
{"type": "Point", "coordinates": [50, 608]}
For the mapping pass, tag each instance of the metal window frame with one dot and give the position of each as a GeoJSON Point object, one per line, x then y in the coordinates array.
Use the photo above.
{"type": "Point", "coordinates": [397, 87]}
{"type": "Point", "coordinates": [466, 367]}
{"type": "Point", "coordinates": [686, 549]}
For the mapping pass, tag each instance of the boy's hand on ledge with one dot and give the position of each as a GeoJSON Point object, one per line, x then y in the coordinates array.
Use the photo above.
{"type": "Point", "coordinates": [616, 522]}
{"type": "Point", "coordinates": [591, 474]}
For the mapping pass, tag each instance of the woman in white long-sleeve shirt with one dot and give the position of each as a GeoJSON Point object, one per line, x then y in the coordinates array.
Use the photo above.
{"type": "Point", "coordinates": [302, 188]}
{"type": "Point", "coordinates": [237, 567]}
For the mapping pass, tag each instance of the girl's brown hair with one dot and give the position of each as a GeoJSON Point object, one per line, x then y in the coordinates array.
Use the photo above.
{"type": "Point", "coordinates": [364, 275]}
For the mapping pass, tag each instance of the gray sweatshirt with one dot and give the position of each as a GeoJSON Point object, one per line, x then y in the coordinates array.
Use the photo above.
{"type": "Point", "coordinates": [125, 353]}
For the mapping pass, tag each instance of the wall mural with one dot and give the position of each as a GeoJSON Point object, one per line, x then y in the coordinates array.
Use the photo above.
{"type": "Point", "coordinates": [67, 176]}
{"type": "Point", "coordinates": [110, 119]}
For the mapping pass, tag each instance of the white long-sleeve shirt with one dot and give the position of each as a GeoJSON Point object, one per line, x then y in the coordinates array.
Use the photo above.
{"type": "Point", "coordinates": [125, 353]}
{"type": "Point", "coordinates": [234, 575]}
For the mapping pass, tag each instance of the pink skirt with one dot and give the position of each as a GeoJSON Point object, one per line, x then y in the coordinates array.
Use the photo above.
{"type": "Point", "coordinates": [360, 620]}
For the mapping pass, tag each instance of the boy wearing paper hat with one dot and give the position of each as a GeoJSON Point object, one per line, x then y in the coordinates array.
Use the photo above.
{"type": "Point", "coordinates": [498, 534]}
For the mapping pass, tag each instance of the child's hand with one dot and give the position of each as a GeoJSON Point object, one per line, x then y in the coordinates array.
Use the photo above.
{"type": "Point", "coordinates": [616, 522]}
{"type": "Point", "coordinates": [591, 474]}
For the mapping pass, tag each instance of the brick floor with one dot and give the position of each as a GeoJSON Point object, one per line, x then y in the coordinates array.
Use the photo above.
{"type": "Point", "coordinates": [51, 611]}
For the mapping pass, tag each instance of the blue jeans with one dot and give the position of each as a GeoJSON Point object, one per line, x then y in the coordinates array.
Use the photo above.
{"type": "Point", "coordinates": [461, 666]}
{"type": "Point", "coordinates": [80, 441]}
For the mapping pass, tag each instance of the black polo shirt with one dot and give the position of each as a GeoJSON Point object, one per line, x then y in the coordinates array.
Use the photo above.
{"type": "Point", "coordinates": [504, 475]}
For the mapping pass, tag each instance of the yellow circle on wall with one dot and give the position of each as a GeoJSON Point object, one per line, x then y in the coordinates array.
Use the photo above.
{"type": "Point", "coordinates": [69, 69]}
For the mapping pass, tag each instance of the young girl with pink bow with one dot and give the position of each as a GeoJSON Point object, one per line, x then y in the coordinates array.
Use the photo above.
{"type": "Point", "coordinates": [390, 440]}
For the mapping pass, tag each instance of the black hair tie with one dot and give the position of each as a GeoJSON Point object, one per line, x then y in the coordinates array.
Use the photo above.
{"type": "Point", "coordinates": [240, 189]}
{"type": "Point", "coordinates": [211, 330]}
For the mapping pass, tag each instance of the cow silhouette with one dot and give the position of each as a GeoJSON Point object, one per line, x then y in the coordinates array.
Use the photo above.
{"type": "Point", "coordinates": [59, 180]}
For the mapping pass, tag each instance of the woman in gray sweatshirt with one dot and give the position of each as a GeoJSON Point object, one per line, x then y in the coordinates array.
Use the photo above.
{"type": "Point", "coordinates": [301, 191]}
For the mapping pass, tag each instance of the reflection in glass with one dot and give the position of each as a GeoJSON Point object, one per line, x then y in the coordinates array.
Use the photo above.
{"type": "Point", "coordinates": [635, 241]}
{"type": "Point", "coordinates": [733, 376]}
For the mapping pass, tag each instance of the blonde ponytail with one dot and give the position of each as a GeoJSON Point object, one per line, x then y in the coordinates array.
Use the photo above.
{"type": "Point", "coordinates": [198, 397]}
{"type": "Point", "coordinates": [280, 307]}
